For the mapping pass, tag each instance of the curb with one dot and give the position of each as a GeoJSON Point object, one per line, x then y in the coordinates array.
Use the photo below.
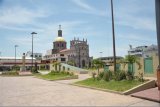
{"type": "Point", "coordinates": [99, 89]}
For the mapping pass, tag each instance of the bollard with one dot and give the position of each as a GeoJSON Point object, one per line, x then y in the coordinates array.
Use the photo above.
{"type": "Point", "coordinates": [158, 77]}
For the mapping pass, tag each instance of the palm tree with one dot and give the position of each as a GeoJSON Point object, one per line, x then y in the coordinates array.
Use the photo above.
{"type": "Point", "coordinates": [98, 64]}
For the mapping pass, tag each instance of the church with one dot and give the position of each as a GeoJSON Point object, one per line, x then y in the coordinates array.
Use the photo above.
{"type": "Point", "coordinates": [77, 55]}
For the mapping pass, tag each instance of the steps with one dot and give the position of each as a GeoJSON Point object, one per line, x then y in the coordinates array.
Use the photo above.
{"type": "Point", "coordinates": [75, 69]}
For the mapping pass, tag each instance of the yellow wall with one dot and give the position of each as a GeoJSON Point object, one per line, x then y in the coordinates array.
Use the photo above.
{"type": "Point", "coordinates": [155, 65]}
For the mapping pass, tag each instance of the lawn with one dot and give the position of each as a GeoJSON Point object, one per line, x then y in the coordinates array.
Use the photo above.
{"type": "Point", "coordinates": [56, 76]}
{"type": "Point", "coordinates": [10, 73]}
{"type": "Point", "coordinates": [119, 86]}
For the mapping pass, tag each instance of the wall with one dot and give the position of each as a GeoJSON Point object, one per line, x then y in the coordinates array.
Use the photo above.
{"type": "Point", "coordinates": [142, 70]}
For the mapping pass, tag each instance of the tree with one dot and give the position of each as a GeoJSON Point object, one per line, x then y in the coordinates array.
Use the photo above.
{"type": "Point", "coordinates": [71, 62]}
{"type": "Point", "coordinates": [98, 64]}
{"type": "Point", "coordinates": [131, 59]}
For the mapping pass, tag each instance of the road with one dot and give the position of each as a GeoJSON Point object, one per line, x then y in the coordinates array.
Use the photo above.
{"type": "Point", "coordinates": [30, 91]}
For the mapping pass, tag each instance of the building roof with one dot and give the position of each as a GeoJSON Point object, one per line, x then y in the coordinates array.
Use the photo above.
{"type": "Point", "coordinates": [60, 39]}
{"type": "Point", "coordinates": [12, 58]}
{"type": "Point", "coordinates": [65, 50]}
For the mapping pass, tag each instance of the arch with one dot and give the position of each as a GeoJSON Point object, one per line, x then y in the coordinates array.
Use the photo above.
{"type": "Point", "coordinates": [83, 63]}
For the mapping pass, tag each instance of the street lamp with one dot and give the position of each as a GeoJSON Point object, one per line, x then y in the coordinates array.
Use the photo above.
{"type": "Point", "coordinates": [113, 34]}
{"type": "Point", "coordinates": [157, 5]}
{"type": "Point", "coordinates": [32, 47]}
{"type": "Point", "coordinates": [15, 54]}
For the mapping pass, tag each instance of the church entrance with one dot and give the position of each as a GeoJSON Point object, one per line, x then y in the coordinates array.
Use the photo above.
{"type": "Point", "coordinates": [83, 63]}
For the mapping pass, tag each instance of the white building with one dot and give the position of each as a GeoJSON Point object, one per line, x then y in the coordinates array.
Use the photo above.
{"type": "Point", "coordinates": [35, 55]}
{"type": "Point", "coordinates": [138, 51]}
{"type": "Point", "coordinates": [150, 51]}
{"type": "Point", "coordinates": [8, 62]}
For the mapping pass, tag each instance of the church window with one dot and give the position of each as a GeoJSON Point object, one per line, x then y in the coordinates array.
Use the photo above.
{"type": "Point", "coordinates": [58, 45]}
{"type": "Point", "coordinates": [62, 45]}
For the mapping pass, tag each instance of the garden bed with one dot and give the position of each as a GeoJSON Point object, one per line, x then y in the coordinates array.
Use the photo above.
{"type": "Point", "coordinates": [10, 73]}
{"type": "Point", "coordinates": [117, 86]}
{"type": "Point", "coordinates": [52, 76]}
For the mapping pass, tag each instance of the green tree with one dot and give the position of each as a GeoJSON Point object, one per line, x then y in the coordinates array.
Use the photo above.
{"type": "Point", "coordinates": [98, 64]}
{"type": "Point", "coordinates": [131, 59]}
{"type": "Point", "coordinates": [71, 62]}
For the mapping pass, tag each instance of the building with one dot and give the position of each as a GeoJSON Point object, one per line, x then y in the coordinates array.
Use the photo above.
{"type": "Point", "coordinates": [78, 52]}
{"type": "Point", "coordinates": [37, 56]}
{"type": "Point", "coordinates": [7, 63]}
{"type": "Point", "coordinates": [150, 51]}
{"type": "Point", "coordinates": [144, 51]}
{"type": "Point", "coordinates": [110, 60]}
{"type": "Point", "coordinates": [138, 51]}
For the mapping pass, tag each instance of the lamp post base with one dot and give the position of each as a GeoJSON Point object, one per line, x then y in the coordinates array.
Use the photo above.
{"type": "Point", "coordinates": [158, 77]}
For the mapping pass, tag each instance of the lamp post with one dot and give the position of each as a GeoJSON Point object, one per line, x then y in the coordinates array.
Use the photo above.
{"type": "Point", "coordinates": [32, 47]}
{"type": "Point", "coordinates": [113, 34]}
{"type": "Point", "coordinates": [15, 46]}
{"type": "Point", "coordinates": [157, 5]}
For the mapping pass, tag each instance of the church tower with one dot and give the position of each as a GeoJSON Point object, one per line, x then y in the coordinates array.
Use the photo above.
{"type": "Point", "coordinates": [59, 43]}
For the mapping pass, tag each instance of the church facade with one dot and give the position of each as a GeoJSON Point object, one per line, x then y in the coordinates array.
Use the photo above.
{"type": "Point", "coordinates": [77, 54]}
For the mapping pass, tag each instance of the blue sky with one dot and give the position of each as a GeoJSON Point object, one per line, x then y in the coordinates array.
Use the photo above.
{"type": "Point", "coordinates": [91, 19]}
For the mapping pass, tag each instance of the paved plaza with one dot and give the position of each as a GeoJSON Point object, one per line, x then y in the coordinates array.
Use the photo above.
{"type": "Point", "coordinates": [30, 91]}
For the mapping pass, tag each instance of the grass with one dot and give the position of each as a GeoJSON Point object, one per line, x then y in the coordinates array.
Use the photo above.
{"type": "Point", "coordinates": [10, 73]}
{"type": "Point", "coordinates": [56, 76]}
{"type": "Point", "coordinates": [119, 86]}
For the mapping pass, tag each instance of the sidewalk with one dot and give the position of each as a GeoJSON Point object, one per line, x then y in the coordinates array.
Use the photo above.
{"type": "Point", "coordinates": [150, 94]}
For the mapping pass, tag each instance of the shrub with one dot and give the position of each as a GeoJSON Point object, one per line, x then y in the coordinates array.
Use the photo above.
{"type": "Point", "coordinates": [106, 76]}
{"type": "Point", "coordinates": [100, 75]}
{"type": "Point", "coordinates": [110, 75]}
{"type": "Point", "coordinates": [71, 74]}
{"type": "Point", "coordinates": [122, 75]}
{"type": "Point", "coordinates": [94, 75]}
{"type": "Point", "coordinates": [10, 73]}
{"type": "Point", "coordinates": [129, 75]}
{"type": "Point", "coordinates": [140, 77]}
{"type": "Point", "coordinates": [119, 75]}
{"type": "Point", "coordinates": [63, 72]}
{"type": "Point", "coordinates": [34, 70]}
{"type": "Point", "coordinates": [98, 78]}
{"type": "Point", "coordinates": [67, 73]}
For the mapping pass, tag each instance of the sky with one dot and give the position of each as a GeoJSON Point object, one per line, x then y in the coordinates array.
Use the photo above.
{"type": "Point", "coordinates": [89, 19]}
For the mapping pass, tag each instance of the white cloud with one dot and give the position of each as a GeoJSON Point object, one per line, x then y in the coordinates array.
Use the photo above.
{"type": "Point", "coordinates": [135, 15]}
{"type": "Point", "coordinates": [88, 9]}
{"type": "Point", "coordinates": [83, 5]}
{"type": "Point", "coordinates": [19, 15]}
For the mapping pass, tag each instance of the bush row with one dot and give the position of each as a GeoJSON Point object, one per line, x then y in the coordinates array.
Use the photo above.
{"type": "Point", "coordinates": [117, 76]}
{"type": "Point", "coordinates": [62, 72]}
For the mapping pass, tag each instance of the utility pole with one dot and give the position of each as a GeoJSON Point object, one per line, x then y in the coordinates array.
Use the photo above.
{"type": "Point", "coordinates": [15, 46]}
{"type": "Point", "coordinates": [157, 5]}
{"type": "Point", "coordinates": [113, 35]}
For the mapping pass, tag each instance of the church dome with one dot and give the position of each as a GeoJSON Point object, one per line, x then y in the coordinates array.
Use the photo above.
{"type": "Point", "coordinates": [60, 39]}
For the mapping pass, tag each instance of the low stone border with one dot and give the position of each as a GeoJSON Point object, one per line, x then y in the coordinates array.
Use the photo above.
{"type": "Point", "coordinates": [100, 89]}
{"type": "Point", "coordinates": [64, 78]}
{"type": "Point", "coordinates": [141, 87]}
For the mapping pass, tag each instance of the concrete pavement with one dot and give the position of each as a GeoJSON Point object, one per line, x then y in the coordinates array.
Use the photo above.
{"type": "Point", "coordinates": [30, 91]}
